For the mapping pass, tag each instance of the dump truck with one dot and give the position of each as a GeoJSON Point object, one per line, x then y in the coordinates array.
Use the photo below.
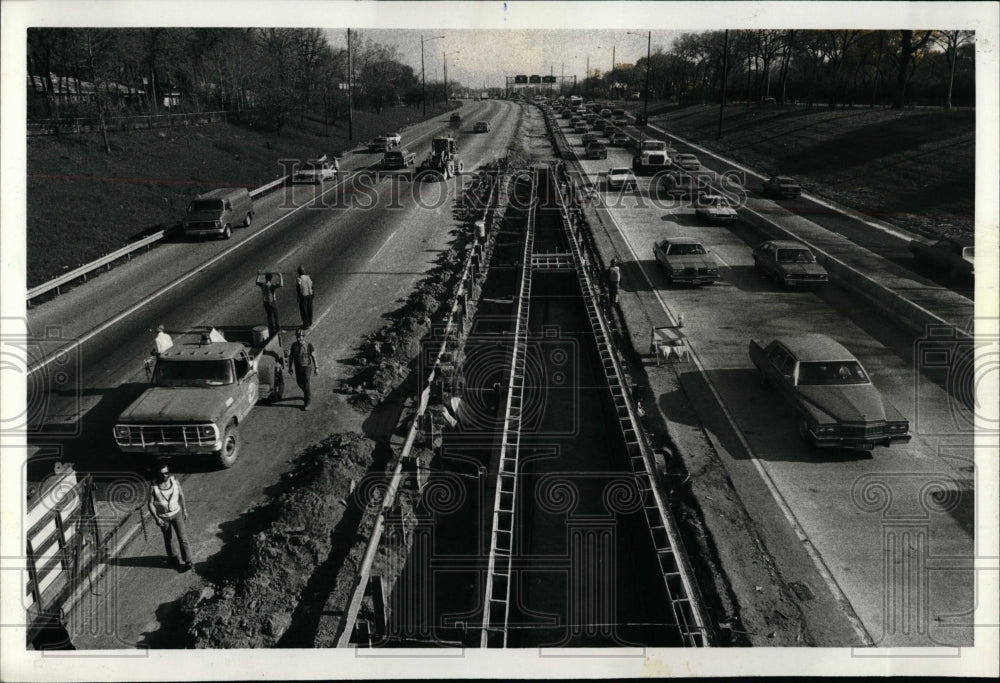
{"type": "Point", "coordinates": [200, 392]}
{"type": "Point", "coordinates": [443, 160]}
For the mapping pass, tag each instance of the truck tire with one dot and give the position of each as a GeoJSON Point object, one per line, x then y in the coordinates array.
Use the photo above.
{"type": "Point", "coordinates": [461, 165]}
{"type": "Point", "coordinates": [248, 221]}
{"type": "Point", "coordinates": [230, 446]}
{"type": "Point", "coordinates": [227, 232]}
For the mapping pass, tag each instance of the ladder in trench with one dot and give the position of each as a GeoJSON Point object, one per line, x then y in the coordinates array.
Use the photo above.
{"type": "Point", "coordinates": [496, 606]}
{"type": "Point", "coordinates": [681, 589]}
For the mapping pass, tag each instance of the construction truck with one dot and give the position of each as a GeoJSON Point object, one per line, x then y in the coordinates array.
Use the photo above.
{"type": "Point", "coordinates": [443, 160]}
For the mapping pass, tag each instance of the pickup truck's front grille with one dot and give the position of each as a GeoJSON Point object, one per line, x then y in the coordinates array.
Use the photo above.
{"type": "Point", "coordinates": [807, 276]}
{"type": "Point", "coordinates": [201, 225]}
{"type": "Point", "coordinates": [166, 435]}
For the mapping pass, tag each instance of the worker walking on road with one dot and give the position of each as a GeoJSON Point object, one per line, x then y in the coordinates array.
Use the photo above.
{"type": "Point", "coordinates": [303, 363]}
{"type": "Point", "coordinates": [304, 292]}
{"type": "Point", "coordinates": [614, 280]}
{"type": "Point", "coordinates": [267, 288]}
{"type": "Point", "coordinates": [167, 506]}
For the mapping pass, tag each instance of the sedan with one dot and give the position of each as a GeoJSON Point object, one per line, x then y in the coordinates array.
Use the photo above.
{"type": "Point", "coordinates": [455, 118]}
{"type": "Point", "coordinates": [837, 404]}
{"type": "Point", "coordinates": [789, 263]}
{"type": "Point", "coordinates": [715, 208]}
{"type": "Point", "coordinates": [950, 255]}
{"type": "Point", "coordinates": [588, 138]}
{"type": "Point", "coordinates": [621, 178]}
{"type": "Point", "coordinates": [597, 150]}
{"type": "Point", "coordinates": [782, 187]}
{"type": "Point", "coordinates": [620, 121]}
{"type": "Point", "coordinates": [689, 162]}
{"type": "Point", "coordinates": [580, 127]}
{"type": "Point", "coordinates": [395, 139]}
{"type": "Point", "coordinates": [620, 139]}
{"type": "Point", "coordinates": [481, 127]}
{"type": "Point", "coordinates": [685, 260]}
{"type": "Point", "coordinates": [600, 124]}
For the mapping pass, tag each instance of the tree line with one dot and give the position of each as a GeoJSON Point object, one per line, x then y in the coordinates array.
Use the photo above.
{"type": "Point", "coordinates": [271, 75]}
{"type": "Point", "coordinates": [825, 67]}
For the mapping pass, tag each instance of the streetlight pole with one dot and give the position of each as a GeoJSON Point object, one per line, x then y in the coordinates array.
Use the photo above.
{"type": "Point", "coordinates": [444, 55]}
{"type": "Point", "coordinates": [649, 47]}
{"type": "Point", "coordinates": [612, 73]}
{"type": "Point", "coordinates": [423, 79]}
{"type": "Point", "coordinates": [350, 89]}
{"type": "Point", "coordinates": [725, 73]}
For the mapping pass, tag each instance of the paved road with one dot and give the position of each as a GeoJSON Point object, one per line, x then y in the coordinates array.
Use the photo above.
{"type": "Point", "coordinates": [364, 252]}
{"type": "Point", "coordinates": [892, 530]}
{"type": "Point", "coordinates": [889, 241]}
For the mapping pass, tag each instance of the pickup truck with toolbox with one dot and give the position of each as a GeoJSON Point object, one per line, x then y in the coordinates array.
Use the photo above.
{"type": "Point", "coordinates": [398, 159]}
{"type": "Point", "coordinates": [200, 393]}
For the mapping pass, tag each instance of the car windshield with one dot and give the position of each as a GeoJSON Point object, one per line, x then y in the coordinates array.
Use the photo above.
{"type": "Point", "coordinates": [620, 171]}
{"type": "Point", "coordinates": [189, 373]}
{"type": "Point", "coordinates": [205, 205]}
{"type": "Point", "coordinates": [684, 249]}
{"type": "Point", "coordinates": [839, 372]}
{"type": "Point", "coordinates": [795, 256]}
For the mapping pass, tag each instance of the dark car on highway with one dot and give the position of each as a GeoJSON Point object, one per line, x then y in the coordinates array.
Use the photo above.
{"type": "Point", "coordinates": [789, 263]}
{"type": "Point", "coordinates": [837, 404]}
{"type": "Point", "coordinates": [481, 127]}
{"type": "Point", "coordinates": [597, 150]}
{"type": "Point", "coordinates": [782, 187]}
{"type": "Point", "coordinates": [588, 138]}
{"type": "Point", "coordinates": [956, 257]}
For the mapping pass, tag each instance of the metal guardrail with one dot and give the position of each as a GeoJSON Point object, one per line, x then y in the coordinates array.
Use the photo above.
{"type": "Point", "coordinates": [346, 628]}
{"type": "Point", "coordinates": [91, 124]}
{"type": "Point", "coordinates": [125, 252]}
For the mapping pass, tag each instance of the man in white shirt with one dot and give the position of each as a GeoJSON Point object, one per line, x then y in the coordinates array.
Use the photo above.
{"type": "Point", "coordinates": [162, 341]}
{"type": "Point", "coordinates": [304, 291]}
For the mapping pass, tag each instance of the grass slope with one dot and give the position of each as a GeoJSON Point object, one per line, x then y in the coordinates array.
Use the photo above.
{"type": "Point", "coordinates": [913, 168]}
{"type": "Point", "coordinates": [83, 203]}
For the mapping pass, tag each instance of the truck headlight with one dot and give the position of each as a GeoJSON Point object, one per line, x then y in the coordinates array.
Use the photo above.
{"type": "Point", "coordinates": [121, 432]}
{"type": "Point", "coordinates": [206, 431]}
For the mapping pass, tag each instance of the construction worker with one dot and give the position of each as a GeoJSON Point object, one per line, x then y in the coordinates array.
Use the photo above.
{"type": "Point", "coordinates": [167, 506]}
{"type": "Point", "coordinates": [162, 341]}
{"type": "Point", "coordinates": [614, 280]}
{"type": "Point", "coordinates": [268, 288]}
{"type": "Point", "coordinates": [304, 292]}
{"type": "Point", "coordinates": [303, 363]}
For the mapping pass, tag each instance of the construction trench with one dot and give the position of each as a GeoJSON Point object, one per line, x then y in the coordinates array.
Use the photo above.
{"type": "Point", "coordinates": [541, 521]}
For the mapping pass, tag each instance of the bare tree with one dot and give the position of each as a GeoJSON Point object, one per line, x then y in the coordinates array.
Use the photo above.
{"type": "Point", "coordinates": [950, 42]}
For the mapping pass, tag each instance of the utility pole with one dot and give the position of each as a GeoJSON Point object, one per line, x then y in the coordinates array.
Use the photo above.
{"type": "Point", "coordinates": [649, 65]}
{"type": "Point", "coordinates": [586, 81]}
{"type": "Point", "coordinates": [350, 89]}
{"type": "Point", "coordinates": [612, 73]}
{"type": "Point", "coordinates": [423, 81]}
{"type": "Point", "coordinates": [725, 72]}
{"type": "Point", "coordinates": [444, 55]}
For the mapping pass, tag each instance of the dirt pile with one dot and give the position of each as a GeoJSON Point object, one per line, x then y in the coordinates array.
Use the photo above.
{"type": "Point", "coordinates": [255, 609]}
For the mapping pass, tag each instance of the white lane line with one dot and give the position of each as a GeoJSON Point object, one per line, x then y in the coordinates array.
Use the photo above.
{"type": "Point", "coordinates": [779, 499]}
{"type": "Point", "coordinates": [289, 253]}
{"type": "Point", "coordinates": [190, 274]}
{"type": "Point", "coordinates": [323, 315]}
{"type": "Point", "coordinates": [749, 171]}
{"type": "Point", "coordinates": [384, 245]}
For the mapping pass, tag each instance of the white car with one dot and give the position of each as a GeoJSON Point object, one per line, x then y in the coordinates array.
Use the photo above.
{"type": "Point", "coordinates": [715, 208]}
{"type": "Point", "coordinates": [395, 139]}
{"type": "Point", "coordinates": [316, 171]}
{"type": "Point", "coordinates": [621, 178]}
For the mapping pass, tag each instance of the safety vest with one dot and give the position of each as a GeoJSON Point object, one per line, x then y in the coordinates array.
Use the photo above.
{"type": "Point", "coordinates": [166, 501]}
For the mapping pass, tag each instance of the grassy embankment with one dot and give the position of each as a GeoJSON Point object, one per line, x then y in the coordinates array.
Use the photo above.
{"type": "Point", "coordinates": [83, 203]}
{"type": "Point", "coordinates": [913, 168]}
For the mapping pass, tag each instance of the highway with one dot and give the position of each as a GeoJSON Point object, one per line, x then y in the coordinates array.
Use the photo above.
{"type": "Point", "coordinates": [364, 251]}
{"type": "Point", "coordinates": [863, 516]}
{"type": "Point", "coordinates": [866, 523]}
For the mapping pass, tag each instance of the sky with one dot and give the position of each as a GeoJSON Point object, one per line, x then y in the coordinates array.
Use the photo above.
{"type": "Point", "coordinates": [485, 57]}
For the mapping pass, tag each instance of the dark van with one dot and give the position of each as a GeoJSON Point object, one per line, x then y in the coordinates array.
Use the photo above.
{"type": "Point", "coordinates": [215, 213]}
